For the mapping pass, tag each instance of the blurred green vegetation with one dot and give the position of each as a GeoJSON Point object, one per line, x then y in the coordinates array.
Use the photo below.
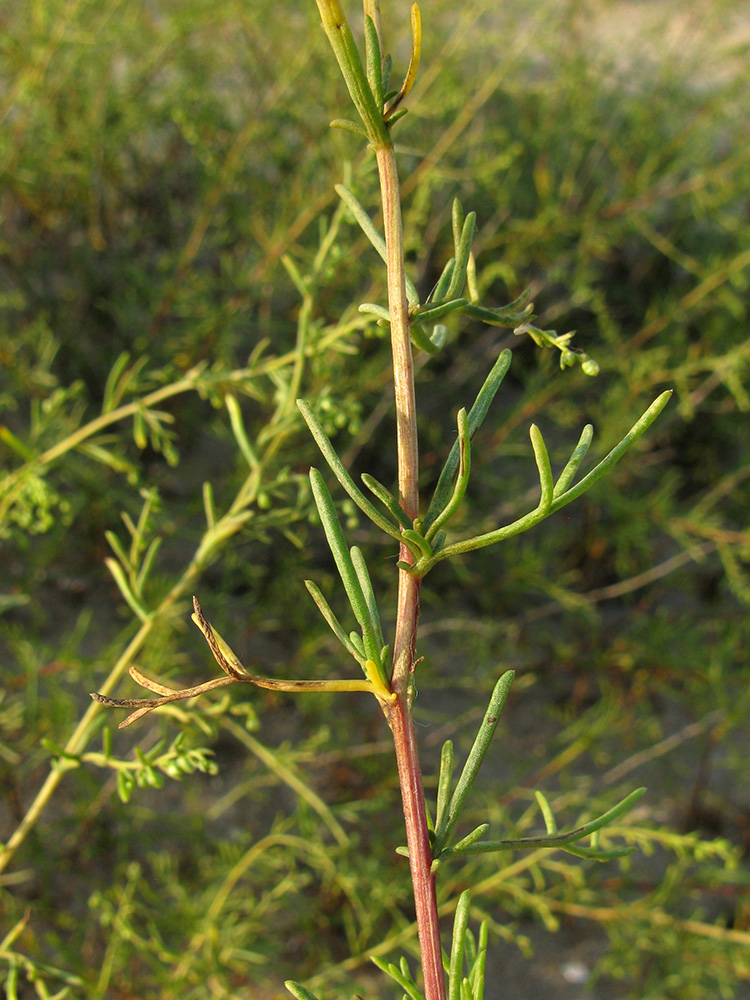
{"type": "Point", "coordinates": [157, 163]}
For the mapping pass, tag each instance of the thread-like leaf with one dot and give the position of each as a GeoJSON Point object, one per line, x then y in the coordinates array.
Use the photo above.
{"type": "Point", "coordinates": [462, 479]}
{"type": "Point", "coordinates": [420, 340]}
{"type": "Point", "coordinates": [549, 817]}
{"type": "Point", "coordinates": [333, 622]}
{"type": "Point", "coordinates": [474, 760]}
{"type": "Point", "coordinates": [546, 483]}
{"type": "Point", "coordinates": [565, 841]}
{"type": "Point", "coordinates": [444, 783]}
{"type": "Point", "coordinates": [429, 314]}
{"type": "Point", "coordinates": [512, 315]}
{"type": "Point", "coordinates": [388, 500]}
{"type": "Point", "coordinates": [567, 475]}
{"type": "Point", "coordinates": [476, 976]}
{"type": "Point", "coordinates": [335, 537]}
{"type": "Point", "coordinates": [476, 415]}
{"type": "Point", "coordinates": [125, 589]}
{"type": "Point", "coordinates": [340, 472]}
{"type": "Point", "coordinates": [636, 431]}
{"type": "Point", "coordinates": [535, 516]}
{"type": "Point", "coordinates": [471, 838]}
{"type": "Point", "coordinates": [457, 222]}
{"type": "Point", "coordinates": [411, 72]}
{"type": "Point", "coordinates": [349, 126]}
{"type": "Point", "coordinates": [298, 991]}
{"type": "Point", "coordinates": [360, 568]}
{"type": "Point", "coordinates": [438, 292]}
{"type": "Point", "coordinates": [368, 228]}
{"type": "Point", "coordinates": [463, 249]}
{"type": "Point", "coordinates": [455, 971]}
{"type": "Point", "coordinates": [347, 55]}
{"type": "Point", "coordinates": [373, 60]}
{"type": "Point", "coordinates": [419, 541]}
{"type": "Point", "coordinates": [403, 979]}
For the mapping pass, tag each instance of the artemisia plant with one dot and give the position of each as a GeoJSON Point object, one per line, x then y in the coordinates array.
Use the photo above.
{"type": "Point", "coordinates": [420, 533]}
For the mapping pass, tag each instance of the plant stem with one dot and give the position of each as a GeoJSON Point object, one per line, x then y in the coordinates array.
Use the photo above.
{"type": "Point", "coordinates": [399, 712]}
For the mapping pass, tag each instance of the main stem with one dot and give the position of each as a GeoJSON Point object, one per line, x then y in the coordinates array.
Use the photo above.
{"type": "Point", "coordinates": [399, 712]}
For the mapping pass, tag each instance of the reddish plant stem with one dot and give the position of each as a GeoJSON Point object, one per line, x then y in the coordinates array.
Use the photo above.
{"type": "Point", "coordinates": [399, 712]}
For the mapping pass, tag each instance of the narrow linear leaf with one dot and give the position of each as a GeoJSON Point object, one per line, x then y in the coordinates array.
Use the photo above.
{"type": "Point", "coordinates": [125, 589]}
{"type": "Point", "coordinates": [549, 817]}
{"type": "Point", "coordinates": [298, 991]}
{"type": "Point", "coordinates": [373, 60]}
{"type": "Point", "coordinates": [348, 126]}
{"type": "Point", "coordinates": [360, 568]}
{"type": "Point", "coordinates": [336, 543]}
{"type": "Point", "coordinates": [541, 457]}
{"type": "Point", "coordinates": [388, 500]}
{"type": "Point", "coordinates": [411, 72]}
{"type": "Point", "coordinates": [455, 971]}
{"type": "Point", "coordinates": [439, 336]}
{"type": "Point", "coordinates": [567, 475]}
{"type": "Point", "coordinates": [116, 545]}
{"type": "Point", "coordinates": [462, 480]}
{"type": "Point", "coordinates": [146, 566]}
{"type": "Point", "coordinates": [368, 228]}
{"type": "Point", "coordinates": [208, 505]}
{"type": "Point", "coordinates": [463, 250]}
{"type": "Point", "coordinates": [429, 314]}
{"type": "Point", "coordinates": [474, 760]}
{"type": "Point", "coordinates": [476, 976]}
{"type": "Point", "coordinates": [356, 640]}
{"type": "Point", "coordinates": [238, 430]}
{"type": "Point", "coordinates": [475, 418]}
{"type": "Point", "coordinates": [444, 782]}
{"type": "Point", "coordinates": [405, 981]}
{"type": "Point", "coordinates": [564, 840]}
{"type": "Point", "coordinates": [638, 429]}
{"type": "Point", "coordinates": [470, 838]}
{"type": "Point", "coordinates": [340, 472]}
{"type": "Point", "coordinates": [457, 222]}
{"type": "Point", "coordinates": [333, 621]}
{"type": "Point", "coordinates": [438, 292]}
{"type": "Point", "coordinates": [471, 279]}
{"type": "Point", "coordinates": [419, 541]}
{"type": "Point", "coordinates": [535, 516]}
{"type": "Point", "coordinates": [372, 309]}
{"type": "Point", "coordinates": [420, 340]}
{"type": "Point", "coordinates": [347, 55]}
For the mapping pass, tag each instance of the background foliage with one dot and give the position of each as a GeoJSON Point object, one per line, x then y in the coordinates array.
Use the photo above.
{"type": "Point", "coordinates": [167, 194]}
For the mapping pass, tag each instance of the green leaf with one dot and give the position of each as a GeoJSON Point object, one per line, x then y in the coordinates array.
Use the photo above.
{"type": "Point", "coordinates": [368, 228]}
{"type": "Point", "coordinates": [463, 250]}
{"type": "Point", "coordinates": [388, 500]}
{"type": "Point", "coordinates": [579, 453]}
{"type": "Point", "coordinates": [473, 761]}
{"type": "Point", "coordinates": [335, 537]}
{"type": "Point", "coordinates": [333, 622]}
{"type": "Point", "coordinates": [462, 480]}
{"type": "Point", "coordinates": [298, 991]}
{"type": "Point", "coordinates": [475, 418]}
{"type": "Point", "coordinates": [340, 472]}
{"type": "Point", "coordinates": [541, 457]}
{"type": "Point", "coordinates": [373, 61]}
{"type": "Point", "coordinates": [535, 516]}
{"type": "Point", "coordinates": [455, 970]}
{"type": "Point", "coordinates": [444, 783]}
{"type": "Point", "coordinates": [347, 55]}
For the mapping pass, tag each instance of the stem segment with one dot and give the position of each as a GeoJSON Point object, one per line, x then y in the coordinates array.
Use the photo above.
{"type": "Point", "coordinates": [399, 712]}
